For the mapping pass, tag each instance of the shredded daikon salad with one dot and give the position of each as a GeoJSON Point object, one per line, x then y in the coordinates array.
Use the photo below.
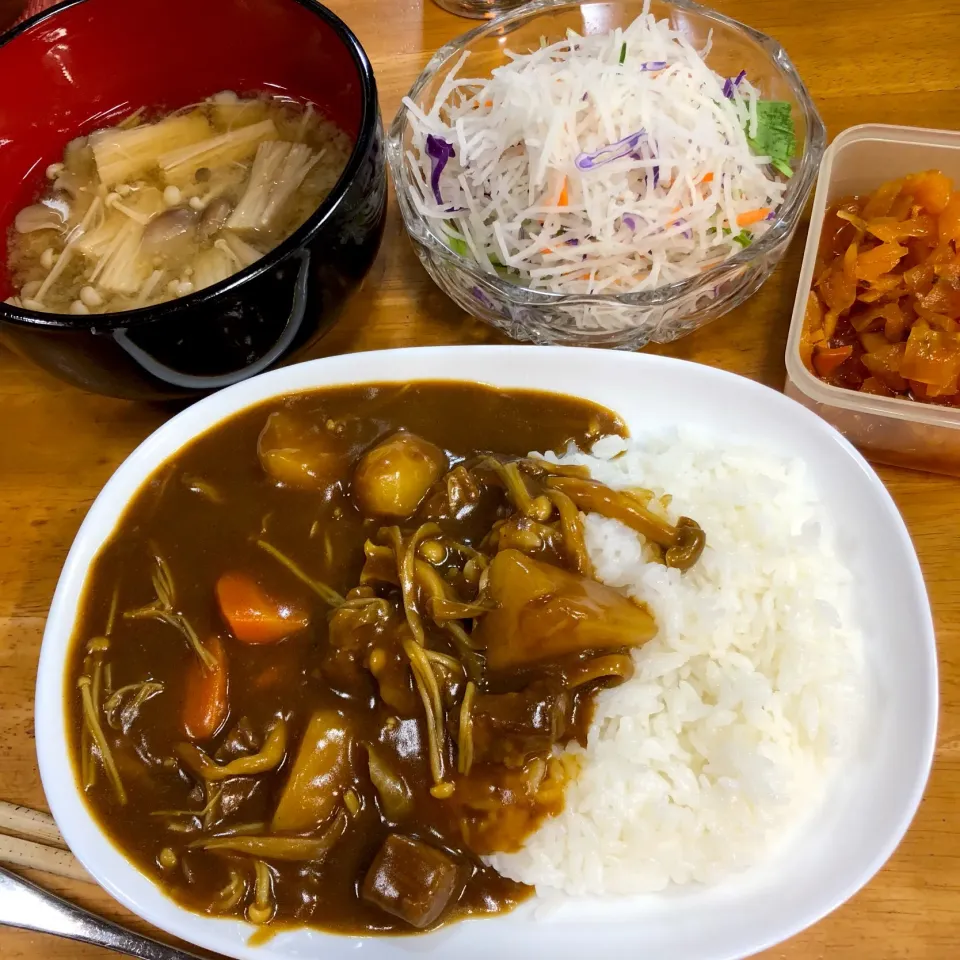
{"type": "Point", "coordinates": [610, 163]}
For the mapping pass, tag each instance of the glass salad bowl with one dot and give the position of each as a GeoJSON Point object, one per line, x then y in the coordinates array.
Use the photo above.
{"type": "Point", "coordinates": [621, 320]}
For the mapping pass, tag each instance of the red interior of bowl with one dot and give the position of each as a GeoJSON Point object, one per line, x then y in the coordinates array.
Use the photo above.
{"type": "Point", "coordinates": [89, 64]}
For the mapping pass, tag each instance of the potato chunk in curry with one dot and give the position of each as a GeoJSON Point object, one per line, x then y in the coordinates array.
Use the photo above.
{"type": "Point", "coordinates": [544, 612]}
{"type": "Point", "coordinates": [321, 772]}
{"type": "Point", "coordinates": [301, 454]}
{"type": "Point", "coordinates": [392, 479]}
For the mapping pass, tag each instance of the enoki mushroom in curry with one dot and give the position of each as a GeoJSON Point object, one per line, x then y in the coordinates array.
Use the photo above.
{"type": "Point", "coordinates": [333, 654]}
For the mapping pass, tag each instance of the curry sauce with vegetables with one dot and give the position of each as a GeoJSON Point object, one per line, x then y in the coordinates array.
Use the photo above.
{"type": "Point", "coordinates": [330, 656]}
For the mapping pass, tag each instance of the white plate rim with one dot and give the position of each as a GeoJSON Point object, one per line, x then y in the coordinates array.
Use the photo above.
{"type": "Point", "coordinates": [126, 884]}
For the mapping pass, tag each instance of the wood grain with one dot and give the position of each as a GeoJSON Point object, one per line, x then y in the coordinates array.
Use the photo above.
{"type": "Point", "coordinates": [863, 60]}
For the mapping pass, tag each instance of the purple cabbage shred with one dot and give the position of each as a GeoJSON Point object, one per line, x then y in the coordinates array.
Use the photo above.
{"type": "Point", "coordinates": [629, 222]}
{"type": "Point", "coordinates": [439, 152]}
{"type": "Point", "coordinates": [772, 215]}
{"type": "Point", "coordinates": [478, 294]}
{"type": "Point", "coordinates": [731, 82]}
{"type": "Point", "coordinates": [653, 65]}
{"type": "Point", "coordinates": [611, 152]}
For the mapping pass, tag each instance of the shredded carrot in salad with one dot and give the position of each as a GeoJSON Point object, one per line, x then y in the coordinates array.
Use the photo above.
{"type": "Point", "coordinates": [753, 216]}
{"type": "Point", "coordinates": [617, 161]}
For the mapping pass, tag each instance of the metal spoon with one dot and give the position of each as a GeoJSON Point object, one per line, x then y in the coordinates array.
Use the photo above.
{"type": "Point", "coordinates": [23, 904]}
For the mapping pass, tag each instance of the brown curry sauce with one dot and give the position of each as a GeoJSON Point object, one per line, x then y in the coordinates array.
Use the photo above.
{"type": "Point", "coordinates": [203, 512]}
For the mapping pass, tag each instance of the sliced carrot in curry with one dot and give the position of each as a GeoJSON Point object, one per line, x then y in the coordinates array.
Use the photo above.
{"type": "Point", "coordinates": [205, 703]}
{"type": "Point", "coordinates": [252, 615]}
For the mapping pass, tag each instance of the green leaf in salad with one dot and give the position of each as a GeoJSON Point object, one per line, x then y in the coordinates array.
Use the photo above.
{"type": "Point", "coordinates": [458, 245]}
{"type": "Point", "coordinates": [776, 136]}
{"type": "Point", "coordinates": [623, 53]}
{"type": "Point", "coordinates": [744, 237]}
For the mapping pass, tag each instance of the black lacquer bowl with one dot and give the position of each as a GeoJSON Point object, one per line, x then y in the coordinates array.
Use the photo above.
{"type": "Point", "coordinates": [80, 66]}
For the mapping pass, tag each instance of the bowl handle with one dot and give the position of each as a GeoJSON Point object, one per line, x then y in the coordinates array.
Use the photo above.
{"type": "Point", "coordinates": [190, 382]}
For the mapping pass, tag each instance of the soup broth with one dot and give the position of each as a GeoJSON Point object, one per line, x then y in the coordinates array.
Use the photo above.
{"type": "Point", "coordinates": [151, 210]}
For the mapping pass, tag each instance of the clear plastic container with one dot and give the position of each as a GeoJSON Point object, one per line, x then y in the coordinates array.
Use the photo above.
{"type": "Point", "coordinates": [889, 430]}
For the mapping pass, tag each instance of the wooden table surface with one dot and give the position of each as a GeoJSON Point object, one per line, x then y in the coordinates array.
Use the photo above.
{"type": "Point", "coordinates": [863, 60]}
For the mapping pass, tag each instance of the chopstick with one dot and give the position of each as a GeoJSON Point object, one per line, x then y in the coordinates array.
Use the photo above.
{"type": "Point", "coordinates": [31, 824]}
{"type": "Point", "coordinates": [26, 853]}
{"type": "Point", "coordinates": [29, 838]}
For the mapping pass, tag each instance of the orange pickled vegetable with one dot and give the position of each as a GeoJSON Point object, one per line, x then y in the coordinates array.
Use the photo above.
{"type": "Point", "coordinates": [877, 317]}
{"type": "Point", "coordinates": [872, 264]}
{"type": "Point", "coordinates": [827, 359]}
{"type": "Point", "coordinates": [812, 330]}
{"type": "Point", "coordinates": [932, 356]}
{"type": "Point", "coordinates": [813, 318]}
{"type": "Point", "coordinates": [931, 190]}
{"type": "Point", "coordinates": [903, 207]}
{"type": "Point", "coordinates": [896, 322]}
{"type": "Point", "coordinates": [881, 202]}
{"type": "Point", "coordinates": [883, 316]}
{"type": "Point", "coordinates": [838, 291]}
{"type": "Point", "coordinates": [871, 340]}
{"type": "Point", "coordinates": [919, 279]}
{"type": "Point", "coordinates": [890, 230]}
{"type": "Point", "coordinates": [949, 226]}
{"type": "Point", "coordinates": [885, 363]}
{"type": "Point", "coordinates": [940, 322]}
{"type": "Point", "coordinates": [874, 386]}
{"type": "Point", "coordinates": [942, 298]}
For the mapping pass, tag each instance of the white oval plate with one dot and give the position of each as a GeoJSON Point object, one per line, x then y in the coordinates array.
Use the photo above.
{"type": "Point", "coordinates": [865, 813]}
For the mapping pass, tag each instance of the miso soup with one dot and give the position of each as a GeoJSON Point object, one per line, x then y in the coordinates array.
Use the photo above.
{"type": "Point", "coordinates": [155, 208]}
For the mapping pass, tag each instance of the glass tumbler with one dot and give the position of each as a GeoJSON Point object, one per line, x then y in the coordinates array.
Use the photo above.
{"type": "Point", "coordinates": [479, 9]}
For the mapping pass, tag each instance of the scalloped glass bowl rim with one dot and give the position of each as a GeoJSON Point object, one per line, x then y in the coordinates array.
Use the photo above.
{"type": "Point", "coordinates": [788, 215]}
{"type": "Point", "coordinates": [300, 238]}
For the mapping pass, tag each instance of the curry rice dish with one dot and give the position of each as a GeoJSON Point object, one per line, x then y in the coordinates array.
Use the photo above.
{"type": "Point", "coordinates": [351, 654]}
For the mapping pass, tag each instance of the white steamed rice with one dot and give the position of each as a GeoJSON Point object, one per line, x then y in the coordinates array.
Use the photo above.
{"type": "Point", "coordinates": [743, 702]}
